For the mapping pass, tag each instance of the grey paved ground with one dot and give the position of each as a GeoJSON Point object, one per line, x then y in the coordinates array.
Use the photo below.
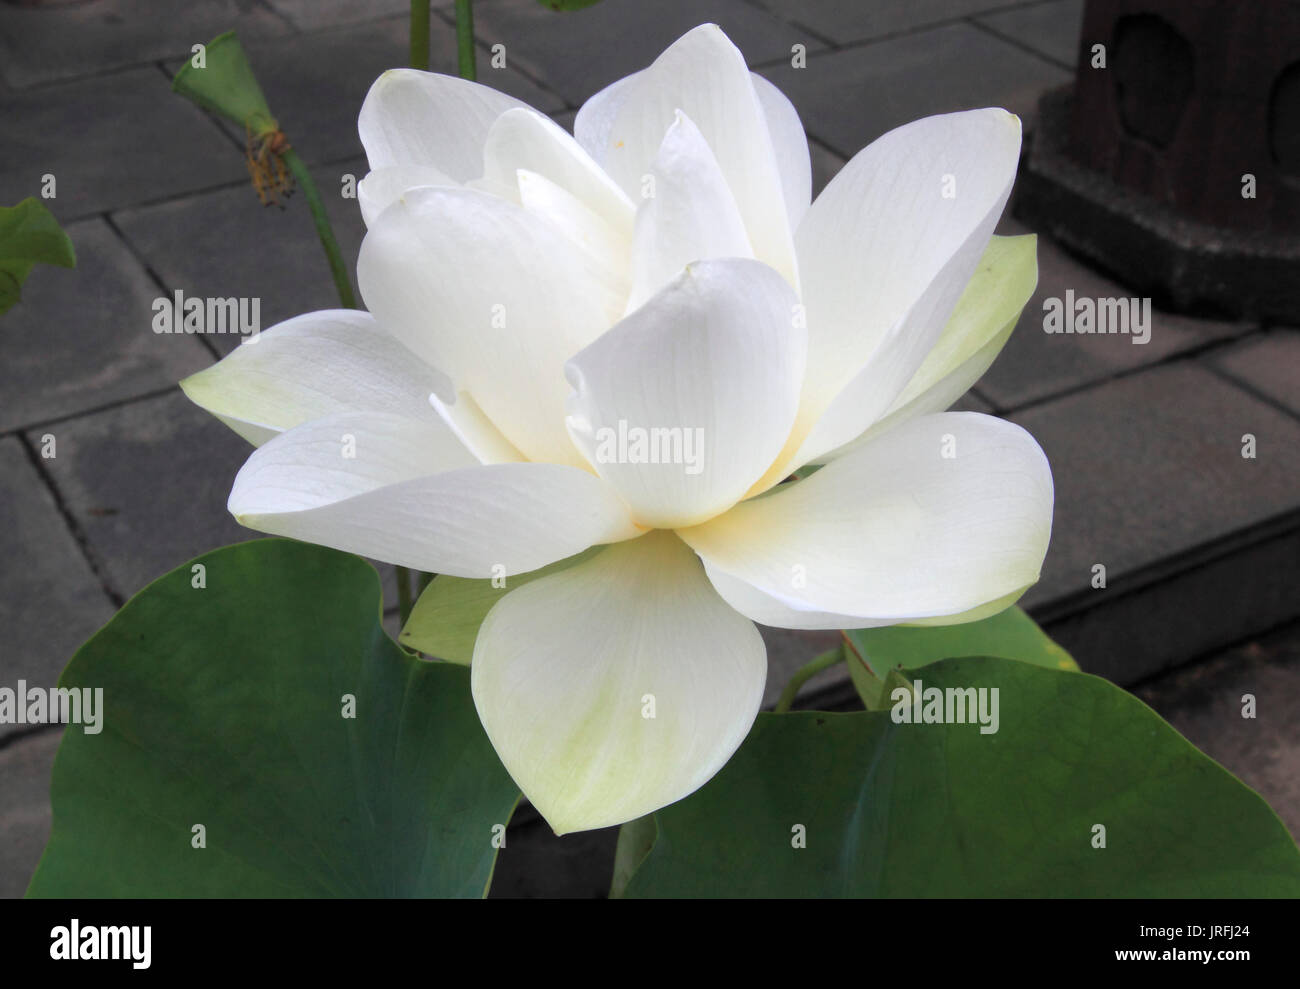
{"type": "Point", "coordinates": [1200, 545]}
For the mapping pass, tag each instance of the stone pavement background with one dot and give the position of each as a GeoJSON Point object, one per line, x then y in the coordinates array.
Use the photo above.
{"type": "Point", "coordinates": [1201, 546]}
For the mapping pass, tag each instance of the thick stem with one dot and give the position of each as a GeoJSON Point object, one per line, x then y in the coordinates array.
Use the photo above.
{"type": "Point", "coordinates": [404, 600]}
{"type": "Point", "coordinates": [419, 60]}
{"type": "Point", "coordinates": [465, 39]}
{"type": "Point", "coordinates": [420, 34]}
{"type": "Point", "coordinates": [803, 675]}
{"type": "Point", "coordinates": [323, 229]}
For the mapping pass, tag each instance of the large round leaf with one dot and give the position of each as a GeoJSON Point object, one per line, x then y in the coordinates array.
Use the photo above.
{"type": "Point", "coordinates": [888, 809]}
{"type": "Point", "coordinates": [224, 706]}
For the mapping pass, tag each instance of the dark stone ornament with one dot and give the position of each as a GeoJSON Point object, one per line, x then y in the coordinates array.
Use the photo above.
{"type": "Point", "coordinates": [1173, 159]}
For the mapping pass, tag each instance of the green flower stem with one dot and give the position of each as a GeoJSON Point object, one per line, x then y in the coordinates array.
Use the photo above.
{"type": "Point", "coordinates": [825, 661]}
{"type": "Point", "coordinates": [404, 599]}
{"type": "Point", "coordinates": [420, 34]}
{"type": "Point", "coordinates": [465, 39]}
{"type": "Point", "coordinates": [419, 60]}
{"type": "Point", "coordinates": [323, 229]}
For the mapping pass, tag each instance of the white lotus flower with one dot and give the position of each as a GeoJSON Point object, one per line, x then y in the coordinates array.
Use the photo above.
{"type": "Point", "coordinates": [535, 299]}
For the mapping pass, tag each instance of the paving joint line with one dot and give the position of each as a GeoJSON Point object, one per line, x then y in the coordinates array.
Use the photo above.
{"type": "Point", "coordinates": [70, 520]}
{"type": "Point", "coordinates": [153, 275]}
{"type": "Point", "coordinates": [1018, 44]}
{"type": "Point", "coordinates": [482, 45]}
{"type": "Point", "coordinates": [160, 201]}
{"type": "Point", "coordinates": [294, 31]}
{"type": "Point", "coordinates": [39, 88]}
{"type": "Point", "coordinates": [284, 19]}
{"type": "Point", "coordinates": [1191, 355]}
{"type": "Point", "coordinates": [17, 737]}
{"type": "Point", "coordinates": [87, 413]}
{"type": "Point", "coordinates": [816, 35]}
{"type": "Point", "coordinates": [1179, 563]}
{"type": "Point", "coordinates": [1151, 679]}
{"type": "Point", "coordinates": [847, 46]}
{"type": "Point", "coordinates": [827, 149]}
{"type": "Point", "coordinates": [206, 190]}
{"type": "Point", "coordinates": [1249, 388]}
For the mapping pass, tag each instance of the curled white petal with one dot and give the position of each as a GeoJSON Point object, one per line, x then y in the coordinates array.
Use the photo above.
{"type": "Point", "coordinates": [940, 515]}
{"type": "Point", "coordinates": [411, 117]}
{"type": "Point", "coordinates": [410, 493]}
{"type": "Point", "coordinates": [314, 365]}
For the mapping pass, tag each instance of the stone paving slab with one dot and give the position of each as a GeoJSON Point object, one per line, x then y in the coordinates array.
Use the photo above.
{"type": "Point", "coordinates": [1036, 364]}
{"type": "Point", "coordinates": [40, 44]}
{"type": "Point", "coordinates": [25, 767]}
{"type": "Point", "coordinates": [849, 98]}
{"type": "Point", "coordinates": [1268, 364]}
{"type": "Point", "coordinates": [1150, 465]}
{"type": "Point", "coordinates": [849, 21]}
{"type": "Point", "coordinates": [50, 599]}
{"type": "Point", "coordinates": [1204, 702]}
{"type": "Point", "coordinates": [1050, 29]}
{"type": "Point", "coordinates": [578, 54]}
{"type": "Point", "coordinates": [1176, 612]}
{"type": "Point", "coordinates": [225, 243]}
{"type": "Point", "coordinates": [148, 482]}
{"type": "Point", "coordinates": [112, 141]}
{"type": "Point", "coordinates": [81, 338]}
{"type": "Point", "coordinates": [315, 83]}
